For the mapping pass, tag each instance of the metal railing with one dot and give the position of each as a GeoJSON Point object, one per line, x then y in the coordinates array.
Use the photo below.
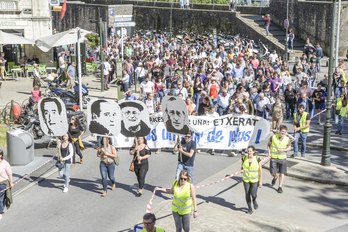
{"type": "Point", "coordinates": [8, 6]}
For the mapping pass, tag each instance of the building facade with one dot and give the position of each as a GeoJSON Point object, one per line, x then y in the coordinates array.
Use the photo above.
{"type": "Point", "coordinates": [30, 19]}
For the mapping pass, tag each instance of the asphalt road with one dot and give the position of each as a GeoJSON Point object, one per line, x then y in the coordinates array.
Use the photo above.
{"type": "Point", "coordinates": [46, 208]}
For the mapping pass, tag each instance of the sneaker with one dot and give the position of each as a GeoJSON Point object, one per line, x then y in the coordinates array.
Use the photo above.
{"type": "Point", "coordinates": [81, 160]}
{"type": "Point", "coordinates": [274, 181]}
{"type": "Point", "coordinates": [233, 154]}
{"type": "Point", "coordinates": [72, 166]}
{"type": "Point", "coordinates": [158, 151]}
{"type": "Point", "coordinates": [256, 206]}
{"type": "Point", "coordinates": [250, 211]}
{"type": "Point", "coordinates": [140, 192]}
{"type": "Point", "coordinates": [198, 150]}
{"type": "Point", "coordinates": [65, 190]}
{"type": "Point", "coordinates": [212, 153]}
{"type": "Point", "coordinates": [340, 133]}
{"type": "Point", "coordinates": [280, 190]}
{"type": "Point", "coordinates": [337, 132]}
{"type": "Point", "coordinates": [293, 155]}
{"type": "Point", "coordinates": [0, 216]}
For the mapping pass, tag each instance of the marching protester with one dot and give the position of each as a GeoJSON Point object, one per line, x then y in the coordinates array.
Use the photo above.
{"type": "Point", "coordinates": [141, 163]}
{"type": "Point", "coordinates": [76, 131]}
{"type": "Point", "coordinates": [318, 97]}
{"type": "Point", "coordinates": [301, 125]}
{"type": "Point", "coordinates": [5, 182]}
{"type": "Point", "coordinates": [186, 157]}
{"type": "Point", "coordinates": [107, 164]}
{"type": "Point", "coordinates": [252, 177]}
{"type": "Point", "coordinates": [67, 153]}
{"type": "Point", "coordinates": [277, 148]}
{"type": "Point", "coordinates": [149, 221]}
{"type": "Point", "coordinates": [184, 201]}
{"type": "Point", "coordinates": [341, 112]}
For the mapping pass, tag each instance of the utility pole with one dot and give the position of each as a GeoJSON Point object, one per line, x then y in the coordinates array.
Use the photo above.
{"type": "Point", "coordinates": [101, 51]}
{"type": "Point", "coordinates": [286, 33]}
{"type": "Point", "coordinates": [325, 156]}
{"type": "Point", "coordinates": [338, 32]}
{"type": "Point", "coordinates": [171, 14]}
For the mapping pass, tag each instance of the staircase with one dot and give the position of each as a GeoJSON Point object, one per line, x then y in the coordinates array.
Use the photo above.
{"type": "Point", "coordinates": [277, 33]}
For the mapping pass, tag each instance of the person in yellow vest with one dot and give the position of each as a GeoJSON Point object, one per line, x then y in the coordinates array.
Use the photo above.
{"type": "Point", "coordinates": [252, 177]}
{"type": "Point", "coordinates": [277, 148]}
{"type": "Point", "coordinates": [184, 201]}
{"type": "Point", "coordinates": [149, 221]}
{"type": "Point", "coordinates": [341, 112]}
{"type": "Point", "coordinates": [301, 125]}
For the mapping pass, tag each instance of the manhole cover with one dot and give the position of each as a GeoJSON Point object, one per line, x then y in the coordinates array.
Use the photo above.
{"type": "Point", "coordinates": [290, 164]}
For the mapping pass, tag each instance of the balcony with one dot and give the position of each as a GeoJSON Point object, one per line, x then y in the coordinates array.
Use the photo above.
{"type": "Point", "coordinates": [8, 6]}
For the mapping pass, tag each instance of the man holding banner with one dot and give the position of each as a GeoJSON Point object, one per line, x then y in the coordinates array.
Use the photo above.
{"type": "Point", "coordinates": [188, 151]}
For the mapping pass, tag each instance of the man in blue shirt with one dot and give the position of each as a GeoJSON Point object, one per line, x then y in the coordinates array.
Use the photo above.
{"type": "Point", "coordinates": [319, 52]}
{"type": "Point", "coordinates": [238, 71]}
{"type": "Point", "coordinates": [70, 76]}
{"type": "Point", "coordinates": [129, 95]}
{"type": "Point", "coordinates": [163, 92]}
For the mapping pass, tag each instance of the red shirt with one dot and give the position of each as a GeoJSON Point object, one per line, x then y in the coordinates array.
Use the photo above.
{"type": "Point", "coordinates": [267, 20]}
{"type": "Point", "coordinates": [170, 62]}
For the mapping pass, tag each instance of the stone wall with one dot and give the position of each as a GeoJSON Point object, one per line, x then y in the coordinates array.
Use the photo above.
{"type": "Point", "coordinates": [242, 9]}
{"type": "Point", "coordinates": [311, 20]}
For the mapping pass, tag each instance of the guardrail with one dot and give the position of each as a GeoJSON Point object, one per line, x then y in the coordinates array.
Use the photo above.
{"type": "Point", "coordinates": [8, 6]}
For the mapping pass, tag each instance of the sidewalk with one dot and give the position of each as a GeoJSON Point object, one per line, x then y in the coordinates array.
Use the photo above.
{"type": "Point", "coordinates": [222, 207]}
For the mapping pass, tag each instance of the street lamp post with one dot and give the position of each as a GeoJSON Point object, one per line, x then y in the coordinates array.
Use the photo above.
{"type": "Point", "coordinates": [325, 157]}
{"type": "Point", "coordinates": [338, 32]}
{"type": "Point", "coordinates": [101, 51]}
{"type": "Point", "coordinates": [286, 33]}
{"type": "Point", "coordinates": [170, 23]}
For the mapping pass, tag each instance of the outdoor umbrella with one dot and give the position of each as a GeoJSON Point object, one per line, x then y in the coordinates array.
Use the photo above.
{"type": "Point", "coordinates": [64, 38]}
{"type": "Point", "coordinates": [7, 38]}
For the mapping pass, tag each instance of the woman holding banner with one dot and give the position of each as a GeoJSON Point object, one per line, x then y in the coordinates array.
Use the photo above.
{"type": "Point", "coordinates": [107, 165]}
{"type": "Point", "coordinates": [183, 201]}
{"type": "Point", "coordinates": [76, 131]}
{"type": "Point", "coordinates": [252, 177]}
{"type": "Point", "coordinates": [141, 163]}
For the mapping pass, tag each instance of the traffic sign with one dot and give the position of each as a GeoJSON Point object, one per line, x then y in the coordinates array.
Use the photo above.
{"type": "Point", "coordinates": [111, 12]}
{"type": "Point", "coordinates": [125, 24]}
{"type": "Point", "coordinates": [286, 23]}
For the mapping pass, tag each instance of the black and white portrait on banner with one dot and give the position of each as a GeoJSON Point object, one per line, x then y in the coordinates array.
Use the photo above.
{"type": "Point", "coordinates": [135, 119]}
{"type": "Point", "coordinates": [104, 117]}
{"type": "Point", "coordinates": [53, 117]}
{"type": "Point", "coordinates": [175, 115]}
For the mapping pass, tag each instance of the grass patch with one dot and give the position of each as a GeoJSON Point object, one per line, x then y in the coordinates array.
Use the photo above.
{"type": "Point", "coordinates": [3, 129]}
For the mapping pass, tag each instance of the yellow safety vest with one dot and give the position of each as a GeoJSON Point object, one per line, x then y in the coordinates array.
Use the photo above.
{"type": "Point", "coordinates": [343, 110]}
{"type": "Point", "coordinates": [276, 145]}
{"type": "Point", "coordinates": [251, 173]}
{"type": "Point", "coordinates": [182, 201]}
{"type": "Point", "coordinates": [157, 230]}
{"type": "Point", "coordinates": [343, 76]}
{"type": "Point", "coordinates": [303, 121]}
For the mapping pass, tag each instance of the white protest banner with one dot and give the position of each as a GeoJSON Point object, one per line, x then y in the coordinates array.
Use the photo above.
{"type": "Point", "coordinates": [135, 119]}
{"type": "Point", "coordinates": [104, 117]}
{"type": "Point", "coordinates": [225, 132]}
{"type": "Point", "coordinates": [175, 115]}
{"type": "Point", "coordinates": [53, 117]}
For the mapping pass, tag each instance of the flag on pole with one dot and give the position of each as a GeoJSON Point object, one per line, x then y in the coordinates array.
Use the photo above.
{"type": "Point", "coordinates": [63, 10]}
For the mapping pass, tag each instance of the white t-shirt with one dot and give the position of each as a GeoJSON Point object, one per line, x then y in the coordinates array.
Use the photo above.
{"type": "Point", "coordinates": [273, 57]}
{"type": "Point", "coordinates": [61, 60]}
{"type": "Point", "coordinates": [146, 87]}
{"type": "Point", "coordinates": [140, 72]}
{"type": "Point", "coordinates": [107, 67]}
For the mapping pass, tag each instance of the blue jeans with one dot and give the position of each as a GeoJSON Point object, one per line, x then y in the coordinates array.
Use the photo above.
{"type": "Point", "coordinates": [196, 98]}
{"type": "Point", "coordinates": [181, 167]}
{"type": "Point", "coordinates": [318, 64]}
{"type": "Point", "coordinates": [125, 86]}
{"type": "Point", "coordinates": [107, 169]}
{"type": "Point", "coordinates": [303, 137]}
{"type": "Point", "coordinates": [141, 79]}
{"type": "Point", "coordinates": [167, 81]}
{"type": "Point", "coordinates": [222, 111]}
{"type": "Point", "coordinates": [289, 110]}
{"type": "Point", "coordinates": [2, 198]}
{"type": "Point", "coordinates": [130, 78]}
{"type": "Point", "coordinates": [284, 87]}
{"type": "Point", "coordinates": [311, 82]}
{"type": "Point", "coordinates": [267, 30]}
{"type": "Point", "coordinates": [66, 175]}
{"type": "Point", "coordinates": [291, 44]}
{"type": "Point", "coordinates": [339, 121]}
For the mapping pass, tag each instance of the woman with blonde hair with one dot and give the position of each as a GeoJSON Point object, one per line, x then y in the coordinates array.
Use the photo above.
{"type": "Point", "coordinates": [184, 201]}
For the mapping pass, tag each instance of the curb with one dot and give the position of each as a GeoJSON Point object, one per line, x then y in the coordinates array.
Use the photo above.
{"type": "Point", "coordinates": [331, 147]}
{"type": "Point", "coordinates": [36, 182]}
{"type": "Point", "coordinates": [310, 178]}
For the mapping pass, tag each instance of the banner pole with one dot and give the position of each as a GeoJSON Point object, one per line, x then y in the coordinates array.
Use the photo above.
{"type": "Point", "coordinates": [59, 152]}
{"type": "Point", "coordinates": [180, 148]}
{"type": "Point", "coordinates": [136, 144]}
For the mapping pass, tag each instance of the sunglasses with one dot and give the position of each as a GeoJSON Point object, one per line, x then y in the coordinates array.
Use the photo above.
{"type": "Point", "coordinates": [183, 179]}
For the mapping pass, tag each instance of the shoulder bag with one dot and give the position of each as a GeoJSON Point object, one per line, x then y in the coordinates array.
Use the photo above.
{"type": "Point", "coordinates": [131, 168]}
